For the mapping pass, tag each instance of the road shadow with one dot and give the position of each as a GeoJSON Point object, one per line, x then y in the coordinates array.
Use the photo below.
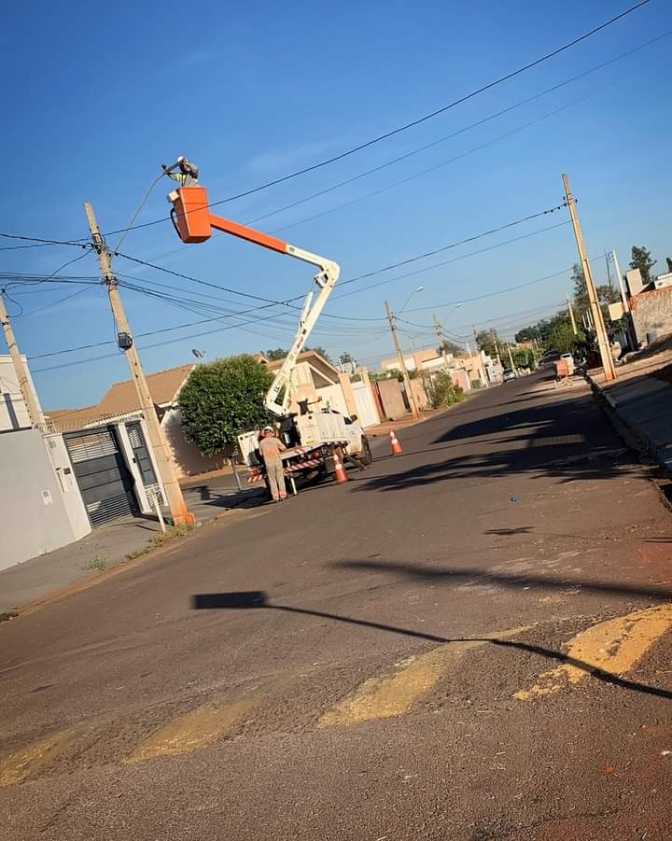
{"type": "Point", "coordinates": [462, 575]}
{"type": "Point", "coordinates": [258, 600]}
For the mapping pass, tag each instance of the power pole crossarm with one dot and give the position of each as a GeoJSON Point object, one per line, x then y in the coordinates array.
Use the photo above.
{"type": "Point", "coordinates": [178, 509]}
{"type": "Point", "coordinates": [602, 339]}
{"type": "Point", "coordinates": [402, 363]}
{"type": "Point", "coordinates": [442, 341]}
{"type": "Point", "coordinates": [25, 388]}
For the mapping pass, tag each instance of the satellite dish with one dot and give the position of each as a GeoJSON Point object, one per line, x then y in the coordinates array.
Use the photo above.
{"type": "Point", "coordinates": [199, 354]}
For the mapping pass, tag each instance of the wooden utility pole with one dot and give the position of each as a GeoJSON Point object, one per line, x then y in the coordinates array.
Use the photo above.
{"type": "Point", "coordinates": [602, 339]}
{"type": "Point", "coordinates": [178, 509]}
{"type": "Point", "coordinates": [19, 366]}
{"type": "Point", "coordinates": [402, 363]}
{"type": "Point", "coordinates": [571, 315]}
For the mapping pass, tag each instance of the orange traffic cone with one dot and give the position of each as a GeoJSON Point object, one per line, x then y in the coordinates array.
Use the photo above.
{"type": "Point", "coordinates": [339, 471]}
{"type": "Point", "coordinates": [396, 446]}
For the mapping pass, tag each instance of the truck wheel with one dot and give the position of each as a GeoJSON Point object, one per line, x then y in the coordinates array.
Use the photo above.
{"type": "Point", "coordinates": [366, 455]}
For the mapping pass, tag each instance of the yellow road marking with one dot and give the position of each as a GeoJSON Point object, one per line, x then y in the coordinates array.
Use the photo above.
{"type": "Point", "coordinates": [20, 765]}
{"type": "Point", "coordinates": [192, 731]}
{"type": "Point", "coordinates": [393, 694]}
{"type": "Point", "coordinates": [614, 647]}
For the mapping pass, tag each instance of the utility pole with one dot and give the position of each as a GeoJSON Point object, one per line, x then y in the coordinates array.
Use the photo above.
{"type": "Point", "coordinates": [402, 363]}
{"type": "Point", "coordinates": [442, 346]}
{"type": "Point", "coordinates": [513, 367]}
{"type": "Point", "coordinates": [178, 509]}
{"type": "Point", "coordinates": [482, 372]}
{"type": "Point", "coordinates": [602, 340]}
{"type": "Point", "coordinates": [21, 373]}
{"type": "Point", "coordinates": [571, 315]}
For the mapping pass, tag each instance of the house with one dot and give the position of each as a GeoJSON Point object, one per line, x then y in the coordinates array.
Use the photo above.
{"type": "Point", "coordinates": [120, 406]}
{"type": "Point", "coordinates": [316, 380]}
{"type": "Point", "coordinates": [42, 507]}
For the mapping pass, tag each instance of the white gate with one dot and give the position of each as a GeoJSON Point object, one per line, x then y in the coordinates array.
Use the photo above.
{"type": "Point", "coordinates": [367, 411]}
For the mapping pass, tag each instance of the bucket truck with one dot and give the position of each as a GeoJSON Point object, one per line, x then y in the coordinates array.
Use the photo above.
{"type": "Point", "coordinates": [311, 435]}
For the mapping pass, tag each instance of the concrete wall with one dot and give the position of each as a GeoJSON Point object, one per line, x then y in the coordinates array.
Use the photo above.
{"type": "Point", "coordinates": [187, 458]}
{"type": "Point", "coordinates": [34, 515]}
{"type": "Point", "coordinates": [652, 313]}
{"type": "Point", "coordinates": [13, 412]}
{"type": "Point", "coordinates": [419, 393]}
{"type": "Point", "coordinates": [392, 399]}
{"type": "Point", "coordinates": [70, 494]}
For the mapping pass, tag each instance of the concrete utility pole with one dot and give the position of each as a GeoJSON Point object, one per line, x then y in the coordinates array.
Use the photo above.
{"type": "Point", "coordinates": [483, 373]}
{"type": "Point", "coordinates": [602, 340]}
{"type": "Point", "coordinates": [571, 315]}
{"type": "Point", "coordinates": [402, 363]}
{"type": "Point", "coordinates": [513, 367]}
{"type": "Point", "coordinates": [441, 337]}
{"type": "Point", "coordinates": [21, 373]}
{"type": "Point", "coordinates": [178, 509]}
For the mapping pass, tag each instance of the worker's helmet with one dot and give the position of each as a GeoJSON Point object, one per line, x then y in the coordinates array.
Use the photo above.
{"type": "Point", "coordinates": [268, 430]}
{"type": "Point", "coordinates": [180, 159]}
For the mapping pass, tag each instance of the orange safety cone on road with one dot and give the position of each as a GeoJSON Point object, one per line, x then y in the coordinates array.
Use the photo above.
{"type": "Point", "coordinates": [339, 471]}
{"type": "Point", "coordinates": [396, 446]}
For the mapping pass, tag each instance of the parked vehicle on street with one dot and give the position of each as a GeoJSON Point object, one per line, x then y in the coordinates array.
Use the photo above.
{"type": "Point", "coordinates": [508, 375]}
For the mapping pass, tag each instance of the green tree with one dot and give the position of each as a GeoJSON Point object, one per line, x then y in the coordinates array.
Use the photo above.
{"type": "Point", "coordinates": [276, 353]}
{"type": "Point", "coordinates": [527, 334]}
{"type": "Point", "coordinates": [223, 398]}
{"type": "Point", "coordinates": [443, 391]}
{"type": "Point", "coordinates": [450, 347]}
{"type": "Point", "coordinates": [640, 258]}
{"type": "Point", "coordinates": [486, 340]}
{"type": "Point", "coordinates": [562, 338]}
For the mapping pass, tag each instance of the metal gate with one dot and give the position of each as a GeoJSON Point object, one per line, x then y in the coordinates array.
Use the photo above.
{"type": "Point", "coordinates": [144, 461]}
{"type": "Point", "coordinates": [103, 478]}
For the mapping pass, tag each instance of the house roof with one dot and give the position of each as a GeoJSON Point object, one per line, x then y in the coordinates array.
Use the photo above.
{"type": "Point", "coordinates": [306, 356]}
{"type": "Point", "coordinates": [122, 399]}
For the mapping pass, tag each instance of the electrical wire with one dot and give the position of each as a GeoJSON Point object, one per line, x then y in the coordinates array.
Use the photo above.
{"type": "Point", "coordinates": [443, 109]}
{"type": "Point", "coordinates": [137, 212]}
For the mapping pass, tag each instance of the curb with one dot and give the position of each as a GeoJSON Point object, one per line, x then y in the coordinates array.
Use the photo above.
{"type": "Point", "coordinates": [634, 437]}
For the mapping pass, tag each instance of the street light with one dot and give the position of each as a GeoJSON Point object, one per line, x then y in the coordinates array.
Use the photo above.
{"type": "Point", "coordinates": [419, 289]}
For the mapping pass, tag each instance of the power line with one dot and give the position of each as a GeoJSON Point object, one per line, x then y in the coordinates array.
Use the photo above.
{"type": "Point", "coordinates": [446, 137]}
{"type": "Point", "coordinates": [398, 130]}
{"type": "Point", "coordinates": [288, 302]}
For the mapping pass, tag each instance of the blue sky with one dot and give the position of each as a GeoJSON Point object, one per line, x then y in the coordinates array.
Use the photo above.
{"type": "Point", "coordinates": [103, 95]}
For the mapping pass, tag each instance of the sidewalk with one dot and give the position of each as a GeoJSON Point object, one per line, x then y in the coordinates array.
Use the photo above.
{"type": "Point", "coordinates": [641, 398]}
{"type": "Point", "coordinates": [110, 545]}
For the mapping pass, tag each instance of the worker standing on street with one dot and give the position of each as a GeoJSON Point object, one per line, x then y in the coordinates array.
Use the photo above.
{"type": "Point", "coordinates": [270, 447]}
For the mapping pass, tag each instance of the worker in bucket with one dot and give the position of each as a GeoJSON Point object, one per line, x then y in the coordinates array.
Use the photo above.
{"type": "Point", "coordinates": [270, 447]}
{"type": "Point", "coordinates": [183, 171]}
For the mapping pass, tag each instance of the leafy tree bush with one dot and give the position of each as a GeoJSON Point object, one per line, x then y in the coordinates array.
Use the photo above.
{"type": "Point", "coordinates": [222, 399]}
{"type": "Point", "coordinates": [443, 391]}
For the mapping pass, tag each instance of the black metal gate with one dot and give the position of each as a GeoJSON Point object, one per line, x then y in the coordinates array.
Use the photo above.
{"type": "Point", "coordinates": [102, 475]}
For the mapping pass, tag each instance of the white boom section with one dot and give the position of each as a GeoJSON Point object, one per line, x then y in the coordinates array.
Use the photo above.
{"type": "Point", "coordinates": [310, 312]}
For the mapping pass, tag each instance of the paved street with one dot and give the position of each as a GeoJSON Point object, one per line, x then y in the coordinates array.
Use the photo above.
{"type": "Point", "coordinates": [467, 642]}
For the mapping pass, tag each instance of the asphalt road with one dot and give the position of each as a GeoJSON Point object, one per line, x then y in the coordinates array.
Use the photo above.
{"type": "Point", "coordinates": [469, 641]}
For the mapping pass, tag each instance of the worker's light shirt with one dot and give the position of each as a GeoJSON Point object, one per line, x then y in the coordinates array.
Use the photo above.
{"type": "Point", "coordinates": [271, 447]}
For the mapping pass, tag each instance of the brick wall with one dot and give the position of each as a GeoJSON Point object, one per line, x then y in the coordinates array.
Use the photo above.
{"type": "Point", "coordinates": [652, 313]}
